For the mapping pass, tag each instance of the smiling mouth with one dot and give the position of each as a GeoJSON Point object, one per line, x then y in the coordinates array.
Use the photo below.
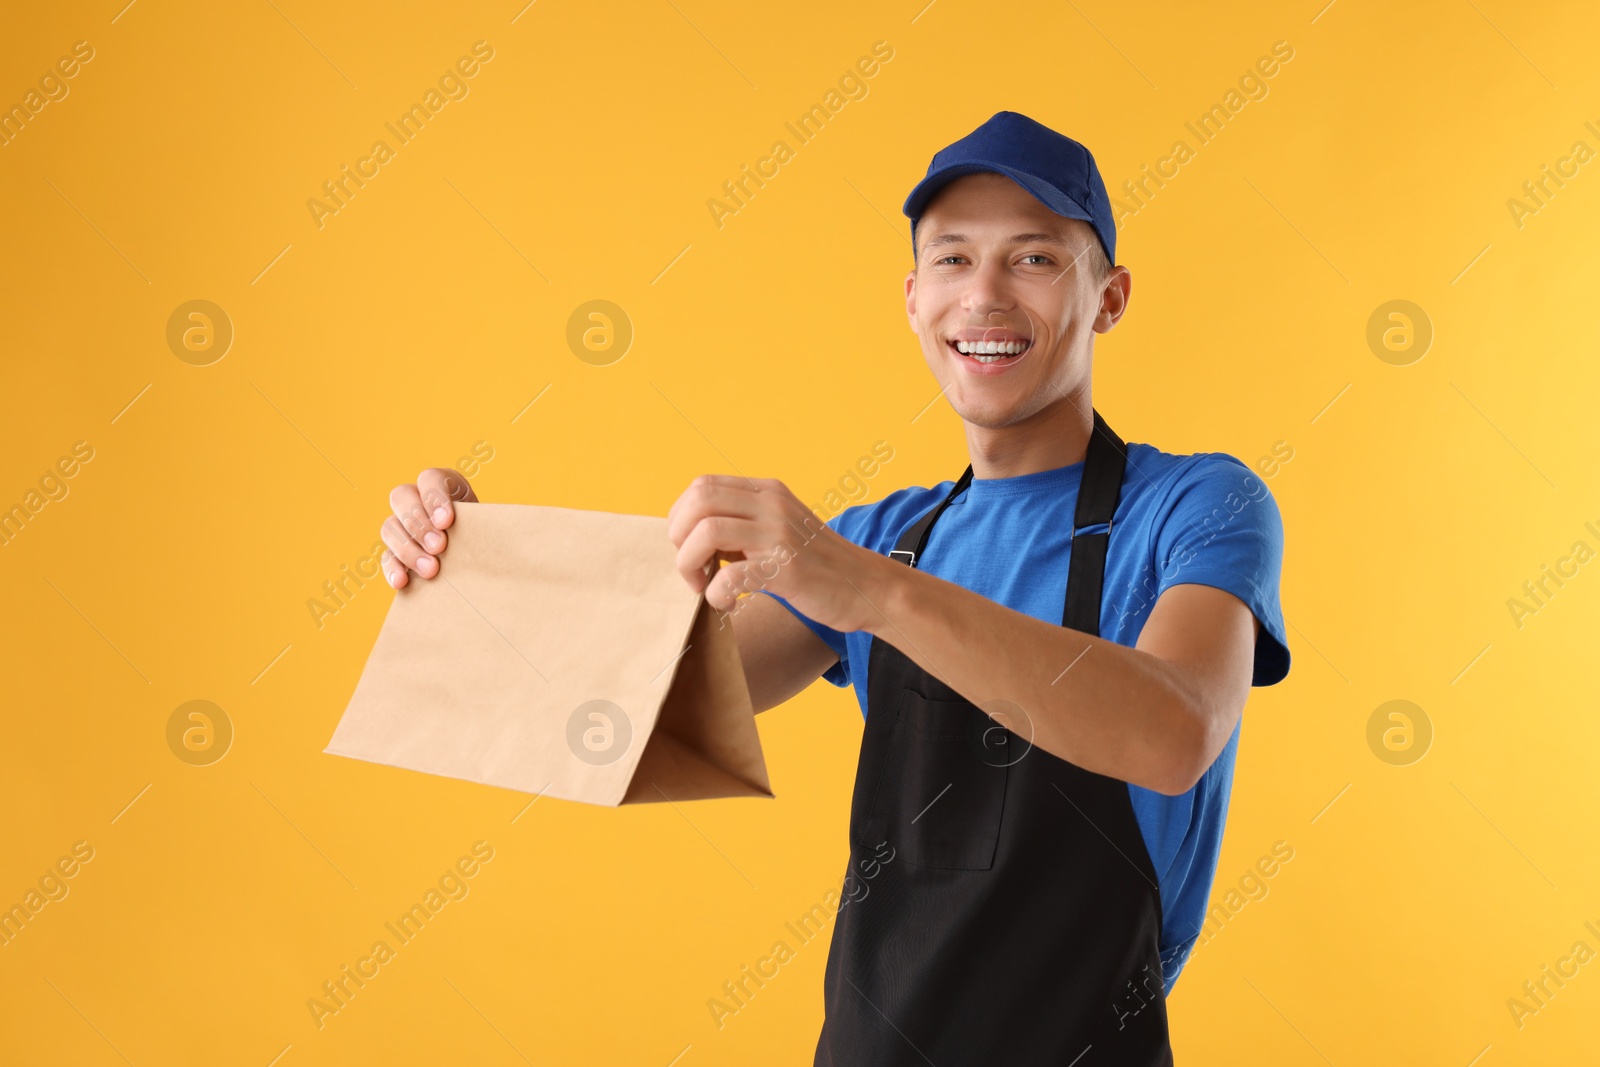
{"type": "Point", "coordinates": [988, 352]}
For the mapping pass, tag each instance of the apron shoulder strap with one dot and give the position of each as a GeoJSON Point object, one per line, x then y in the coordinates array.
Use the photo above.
{"type": "Point", "coordinates": [1099, 491]}
{"type": "Point", "coordinates": [1098, 494]}
{"type": "Point", "coordinates": [911, 543]}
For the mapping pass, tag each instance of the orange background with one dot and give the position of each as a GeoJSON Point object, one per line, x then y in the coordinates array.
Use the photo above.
{"type": "Point", "coordinates": [430, 313]}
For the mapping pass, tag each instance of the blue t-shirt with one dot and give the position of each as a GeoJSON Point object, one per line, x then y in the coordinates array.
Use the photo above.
{"type": "Point", "coordinates": [1204, 518]}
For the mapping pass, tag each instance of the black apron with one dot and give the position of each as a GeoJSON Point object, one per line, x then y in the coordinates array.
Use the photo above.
{"type": "Point", "coordinates": [1000, 905]}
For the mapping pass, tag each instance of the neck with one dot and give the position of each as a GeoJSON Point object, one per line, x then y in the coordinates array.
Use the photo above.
{"type": "Point", "coordinates": [1055, 436]}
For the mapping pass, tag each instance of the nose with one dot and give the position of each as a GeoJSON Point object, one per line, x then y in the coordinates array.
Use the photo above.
{"type": "Point", "coordinates": [987, 294]}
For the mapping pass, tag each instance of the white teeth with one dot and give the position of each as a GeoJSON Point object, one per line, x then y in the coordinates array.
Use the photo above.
{"type": "Point", "coordinates": [991, 348]}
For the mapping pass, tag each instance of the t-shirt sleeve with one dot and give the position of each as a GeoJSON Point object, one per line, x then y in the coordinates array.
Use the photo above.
{"type": "Point", "coordinates": [1220, 527]}
{"type": "Point", "coordinates": [839, 673]}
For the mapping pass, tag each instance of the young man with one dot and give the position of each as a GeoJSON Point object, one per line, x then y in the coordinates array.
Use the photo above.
{"type": "Point", "coordinates": [1052, 651]}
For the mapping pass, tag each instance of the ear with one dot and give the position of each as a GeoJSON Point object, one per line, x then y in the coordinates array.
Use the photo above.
{"type": "Point", "coordinates": [1113, 299]}
{"type": "Point", "coordinates": [911, 300]}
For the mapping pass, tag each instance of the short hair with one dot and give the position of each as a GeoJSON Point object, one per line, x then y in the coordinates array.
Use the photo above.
{"type": "Point", "coordinates": [1099, 265]}
{"type": "Point", "coordinates": [1094, 257]}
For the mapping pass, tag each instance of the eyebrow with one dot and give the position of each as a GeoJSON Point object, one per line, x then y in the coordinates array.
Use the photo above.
{"type": "Point", "coordinates": [1018, 238]}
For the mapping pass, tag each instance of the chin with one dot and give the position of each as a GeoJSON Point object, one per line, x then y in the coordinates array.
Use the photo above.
{"type": "Point", "coordinates": [989, 416]}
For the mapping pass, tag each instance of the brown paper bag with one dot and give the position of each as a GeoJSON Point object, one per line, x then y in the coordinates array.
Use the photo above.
{"type": "Point", "coordinates": [560, 653]}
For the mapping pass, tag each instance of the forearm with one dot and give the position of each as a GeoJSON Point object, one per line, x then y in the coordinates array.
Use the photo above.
{"type": "Point", "coordinates": [1105, 707]}
{"type": "Point", "coordinates": [780, 654]}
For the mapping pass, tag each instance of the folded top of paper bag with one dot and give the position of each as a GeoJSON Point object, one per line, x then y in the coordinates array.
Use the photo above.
{"type": "Point", "coordinates": [549, 656]}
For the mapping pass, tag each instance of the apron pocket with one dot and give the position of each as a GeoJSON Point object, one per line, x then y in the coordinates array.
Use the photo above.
{"type": "Point", "coordinates": [943, 788]}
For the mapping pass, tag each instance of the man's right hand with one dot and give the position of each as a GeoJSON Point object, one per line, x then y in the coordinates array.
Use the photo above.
{"type": "Point", "coordinates": [415, 533]}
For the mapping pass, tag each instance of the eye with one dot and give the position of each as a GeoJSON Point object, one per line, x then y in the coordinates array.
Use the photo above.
{"type": "Point", "coordinates": [1037, 255]}
{"type": "Point", "coordinates": [944, 259]}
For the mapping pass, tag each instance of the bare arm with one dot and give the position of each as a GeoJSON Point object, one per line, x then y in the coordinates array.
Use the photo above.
{"type": "Point", "coordinates": [1155, 715]}
{"type": "Point", "coordinates": [781, 655]}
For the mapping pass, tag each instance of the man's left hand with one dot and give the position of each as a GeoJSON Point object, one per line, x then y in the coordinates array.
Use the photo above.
{"type": "Point", "coordinates": [772, 542]}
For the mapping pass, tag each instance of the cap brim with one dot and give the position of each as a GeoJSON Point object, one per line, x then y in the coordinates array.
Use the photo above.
{"type": "Point", "coordinates": [1041, 190]}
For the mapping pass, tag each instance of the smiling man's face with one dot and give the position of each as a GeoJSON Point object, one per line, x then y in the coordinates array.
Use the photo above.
{"type": "Point", "coordinates": [994, 265]}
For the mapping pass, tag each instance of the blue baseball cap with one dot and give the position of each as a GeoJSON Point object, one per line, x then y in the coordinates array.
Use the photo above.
{"type": "Point", "coordinates": [1057, 170]}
